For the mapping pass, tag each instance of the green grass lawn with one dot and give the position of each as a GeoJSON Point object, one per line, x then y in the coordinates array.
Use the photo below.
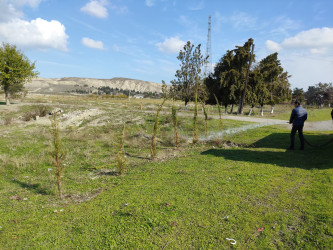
{"type": "Point", "coordinates": [262, 196]}
{"type": "Point", "coordinates": [244, 186]}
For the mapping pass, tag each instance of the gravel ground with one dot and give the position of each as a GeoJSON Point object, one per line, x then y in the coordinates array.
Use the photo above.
{"type": "Point", "coordinates": [308, 126]}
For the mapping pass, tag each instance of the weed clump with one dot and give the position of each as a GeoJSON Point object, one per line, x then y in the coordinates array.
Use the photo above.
{"type": "Point", "coordinates": [58, 152]}
{"type": "Point", "coordinates": [8, 120]}
{"type": "Point", "coordinates": [39, 110]}
{"type": "Point", "coordinates": [220, 112]}
{"type": "Point", "coordinates": [175, 124]}
{"type": "Point", "coordinates": [121, 162]}
{"type": "Point", "coordinates": [153, 140]}
{"type": "Point", "coordinates": [195, 119]}
{"type": "Point", "coordinates": [206, 118]}
{"type": "Point", "coordinates": [28, 116]}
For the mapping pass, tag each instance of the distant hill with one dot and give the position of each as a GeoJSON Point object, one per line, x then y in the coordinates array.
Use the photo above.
{"type": "Point", "coordinates": [90, 85]}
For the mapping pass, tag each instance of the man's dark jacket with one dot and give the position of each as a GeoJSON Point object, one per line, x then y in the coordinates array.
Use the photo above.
{"type": "Point", "coordinates": [298, 116]}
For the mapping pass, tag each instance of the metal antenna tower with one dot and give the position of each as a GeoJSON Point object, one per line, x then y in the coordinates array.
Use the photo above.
{"type": "Point", "coordinates": [209, 64]}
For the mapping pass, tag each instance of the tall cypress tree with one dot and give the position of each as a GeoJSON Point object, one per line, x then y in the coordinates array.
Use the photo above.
{"type": "Point", "coordinates": [276, 80]}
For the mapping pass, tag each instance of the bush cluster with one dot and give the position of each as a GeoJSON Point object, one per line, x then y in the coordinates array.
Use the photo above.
{"type": "Point", "coordinates": [39, 110]}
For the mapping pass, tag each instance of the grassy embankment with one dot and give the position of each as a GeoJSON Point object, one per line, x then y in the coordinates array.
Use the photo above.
{"type": "Point", "coordinates": [255, 191]}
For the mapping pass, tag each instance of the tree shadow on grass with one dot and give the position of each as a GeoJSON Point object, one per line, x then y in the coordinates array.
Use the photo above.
{"type": "Point", "coordinates": [282, 141]}
{"type": "Point", "coordinates": [36, 188]}
{"type": "Point", "coordinates": [4, 103]}
{"type": "Point", "coordinates": [137, 156]}
{"type": "Point", "coordinates": [268, 151]}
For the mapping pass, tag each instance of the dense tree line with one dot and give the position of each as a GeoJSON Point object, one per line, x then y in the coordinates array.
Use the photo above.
{"type": "Point", "coordinates": [267, 81]}
{"type": "Point", "coordinates": [320, 94]}
{"type": "Point", "coordinates": [234, 81]}
{"type": "Point", "coordinates": [106, 90]}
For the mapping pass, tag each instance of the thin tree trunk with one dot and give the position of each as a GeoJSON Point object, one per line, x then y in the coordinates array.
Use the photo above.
{"type": "Point", "coordinates": [153, 140]}
{"type": "Point", "coordinates": [195, 119]}
{"type": "Point", "coordinates": [262, 110]}
{"type": "Point", "coordinates": [120, 158]}
{"type": "Point", "coordinates": [206, 118]}
{"type": "Point", "coordinates": [226, 109]}
{"type": "Point", "coordinates": [220, 112]}
{"type": "Point", "coordinates": [272, 110]}
{"type": "Point", "coordinates": [58, 175]}
{"type": "Point", "coordinates": [232, 109]}
{"type": "Point", "coordinates": [251, 109]}
{"type": "Point", "coordinates": [239, 107]}
{"type": "Point", "coordinates": [57, 154]}
{"type": "Point", "coordinates": [7, 98]}
{"type": "Point", "coordinates": [175, 124]}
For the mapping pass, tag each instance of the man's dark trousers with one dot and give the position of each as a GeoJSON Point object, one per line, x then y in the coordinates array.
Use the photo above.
{"type": "Point", "coordinates": [300, 134]}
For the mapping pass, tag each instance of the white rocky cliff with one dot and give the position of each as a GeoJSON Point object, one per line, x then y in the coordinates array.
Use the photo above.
{"type": "Point", "coordinates": [71, 84]}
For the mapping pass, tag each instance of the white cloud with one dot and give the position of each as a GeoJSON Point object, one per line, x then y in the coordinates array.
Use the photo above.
{"type": "Point", "coordinates": [307, 56]}
{"type": "Point", "coordinates": [273, 46]}
{"type": "Point", "coordinates": [12, 9]}
{"type": "Point", "coordinates": [96, 8]}
{"type": "Point", "coordinates": [120, 9]}
{"type": "Point", "coordinates": [318, 51]}
{"type": "Point", "coordinates": [242, 19]}
{"type": "Point", "coordinates": [282, 26]}
{"type": "Point", "coordinates": [8, 11]}
{"type": "Point", "coordinates": [171, 45]}
{"type": "Point", "coordinates": [197, 6]}
{"type": "Point", "coordinates": [116, 48]}
{"type": "Point", "coordinates": [239, 20]}
{"type": "Point", "coordinates": [31, 3]}
{"type": "Point", "coordinates": [37, 33]}
{"type": "Point", "coordinates": [307, 70]}
{"type": "Point", "coordinates": [314, 39]}
{"type": "Point", "coordinates": [150, 3]}
{"type": "Point", "coordinates": [90, 43]}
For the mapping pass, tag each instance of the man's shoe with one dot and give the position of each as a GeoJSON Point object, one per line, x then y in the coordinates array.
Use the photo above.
{"type": "Point", "coordinates": [302, 148]}
{"type": "Point", "coordinates": [290, 148]}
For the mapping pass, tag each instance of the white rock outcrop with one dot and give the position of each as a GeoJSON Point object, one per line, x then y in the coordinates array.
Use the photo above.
{"type": "Point", "coordinates": [70, 84]}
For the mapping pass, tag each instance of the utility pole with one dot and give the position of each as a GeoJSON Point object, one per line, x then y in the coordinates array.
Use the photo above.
{"type": "Point", "coordinates": [208, 64]}
{"type": "Point", "coordinates": [241, 104]}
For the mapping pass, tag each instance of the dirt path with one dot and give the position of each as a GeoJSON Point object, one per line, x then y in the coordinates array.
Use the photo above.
{"type": "Point", "coordinates": [308, 126]}
{"type": "Point", "coordinates": [319, 126]}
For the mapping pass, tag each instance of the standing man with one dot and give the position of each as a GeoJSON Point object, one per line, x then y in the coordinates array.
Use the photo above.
{"type": "Point", "coordinates": [297, 118]}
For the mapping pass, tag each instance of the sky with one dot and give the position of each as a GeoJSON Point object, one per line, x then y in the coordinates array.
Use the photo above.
{"type": "Point", "coordinates": [141, 39]}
